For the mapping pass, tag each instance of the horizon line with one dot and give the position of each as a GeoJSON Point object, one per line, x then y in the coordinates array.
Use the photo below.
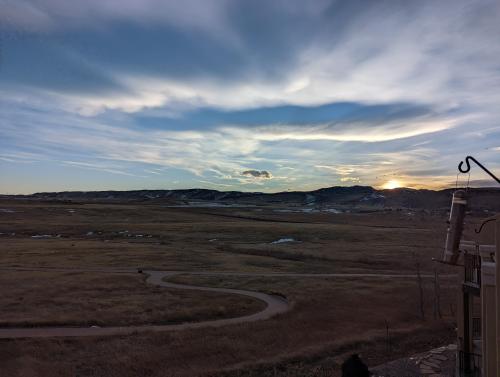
{"type": "Point", "coordinates": [255, 192]}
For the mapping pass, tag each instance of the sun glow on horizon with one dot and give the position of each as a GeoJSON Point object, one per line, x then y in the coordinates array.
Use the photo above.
{"type": "Point", "coordinates": [392, 184]}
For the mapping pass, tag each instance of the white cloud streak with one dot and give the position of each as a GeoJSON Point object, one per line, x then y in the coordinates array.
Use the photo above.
{"type": "Point", "coordinates": [444, 55]}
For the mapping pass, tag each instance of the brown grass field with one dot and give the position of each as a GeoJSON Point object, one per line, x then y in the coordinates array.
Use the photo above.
{"type": "Point", "coordinates": [33, 298]}
{"type": "Point", "coordinates": [330, 317]}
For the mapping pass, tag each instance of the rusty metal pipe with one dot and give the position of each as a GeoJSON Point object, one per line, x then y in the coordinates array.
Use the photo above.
{"type": "Point", "coordinates": [455, 228]}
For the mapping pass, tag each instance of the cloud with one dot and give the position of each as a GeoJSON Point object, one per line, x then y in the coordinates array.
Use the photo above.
{"type": "Point", "coordinates": [257, 174]}
{"type": "Point", "coordinates": [350, 179]}
{"type": "Point", "coordinates": [223, 185]}
{"type": "Point", "coordinates": [367, 131]}
{"type": "Point", "coordinates": [21, 157]}
{"type": "Point", "coordinates": [319, 93]}
{"type": "Point", "coordinates": [96, 166]}
{"type": "Point", "coordinates": [345, 171]}
{"type": "Point", "coordinates": [56, 15]}
{"type": "Point", "coordinates": [285, 53]}
{"type": "Point", "coordinates": [298, 155]}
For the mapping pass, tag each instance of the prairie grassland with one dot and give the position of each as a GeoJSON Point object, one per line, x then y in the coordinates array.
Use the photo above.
{"type": "Point", "coordinates": [329, 318]}
{"type": "Point", "coordinates": [31, 299]}
{"type": "Point", "coordinates": [126, 235]}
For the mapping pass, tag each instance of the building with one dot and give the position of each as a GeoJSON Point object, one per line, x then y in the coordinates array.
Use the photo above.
{"type": "Point", "coordinates": [478, 310]}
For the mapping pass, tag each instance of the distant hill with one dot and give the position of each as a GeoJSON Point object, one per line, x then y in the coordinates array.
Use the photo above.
{"type": "Point", "coordinates": [340, 196]}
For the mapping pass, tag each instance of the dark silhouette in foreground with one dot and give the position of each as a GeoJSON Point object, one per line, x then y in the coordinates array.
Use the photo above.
{"type": "Point", "coordinates": [354, 367]}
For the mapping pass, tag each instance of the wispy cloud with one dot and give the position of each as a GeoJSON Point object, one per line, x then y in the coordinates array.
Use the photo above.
{"type": "Point", "coordinates": [95, 166]}
{"type": "Point", "coordinates": [350, 179]}
{"type": "Point", "coordinates": [52, 16]}
{"type": "Point", "coordinates": [318, 93]}
{"type": "Point", "coordinates": [22, 157]}
{"type": "Point", "coordinates": [452, 63]}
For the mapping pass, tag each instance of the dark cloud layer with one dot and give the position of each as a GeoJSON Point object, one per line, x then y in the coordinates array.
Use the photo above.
{"type": "Point", "coordinates": [257, 174]}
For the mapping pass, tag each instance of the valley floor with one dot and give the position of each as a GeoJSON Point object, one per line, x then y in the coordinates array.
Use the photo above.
{"type": "Point", "coordinates": [330, 317]}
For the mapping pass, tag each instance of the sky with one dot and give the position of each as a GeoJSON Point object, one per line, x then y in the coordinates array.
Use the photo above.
{"type": "Point", "coordinates": [246, 95]}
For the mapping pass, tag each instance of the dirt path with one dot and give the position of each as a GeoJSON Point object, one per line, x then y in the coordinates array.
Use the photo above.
{"type": "Point", "coordinates": [274, 304]}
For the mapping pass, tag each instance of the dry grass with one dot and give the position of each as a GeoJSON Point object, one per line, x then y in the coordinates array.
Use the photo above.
{"type": "Point", "coordinates": [186, 239]}
{"type": "Point", "coordinates": [330, 317]}
{"type": "Point", "coordinates": [236, 351]}
{"type": "Point", "coordinates": [69, 299]}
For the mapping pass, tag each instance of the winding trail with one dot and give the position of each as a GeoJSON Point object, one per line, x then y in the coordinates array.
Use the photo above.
{"type": "Point", "coordinates": [274, 304]}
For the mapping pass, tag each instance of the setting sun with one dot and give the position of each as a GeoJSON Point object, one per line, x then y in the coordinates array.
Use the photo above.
{"type": "Point", "coordinates": [392, 184]}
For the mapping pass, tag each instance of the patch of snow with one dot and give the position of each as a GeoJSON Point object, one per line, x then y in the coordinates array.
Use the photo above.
{"type": "Point", "coordinates": [308, 210]}
{"type": "Point", "coordinates": [212, 240]}
{"type": "Point", "coordinates": [90, 233]}
{"type": "Point", "coordinates": [299, 210]}
{"type": "Point", "coordinates": [42, 236]}
{"type": "Point", "coordinates": [5, 210]}
{"type": "Point", "coordinates": [71, 211]}
{"type": "Point", "coordinates": [283, 240]}
{"type": "Point", "coordinates": [210, 205]}
{"type": "Point", "coordinates": [373, 196]}
{"type": "Point", "coordinates": [332, 210]}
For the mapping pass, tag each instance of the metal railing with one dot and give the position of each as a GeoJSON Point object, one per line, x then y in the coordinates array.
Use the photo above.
{"type": "Point", "coordinates": [469, 364]}
{"type": "Point", "coordinates": [472, 265]}
{"type": "Point", "coordinates": [476, 327]}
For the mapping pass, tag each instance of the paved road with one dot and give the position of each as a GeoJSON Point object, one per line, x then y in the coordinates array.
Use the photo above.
{"type": "Point", "coordinates": [274, 304]}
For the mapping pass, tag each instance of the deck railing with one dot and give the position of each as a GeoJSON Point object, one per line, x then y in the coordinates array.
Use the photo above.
{"type": "Point", "coordinates": [469, 364]}
{"type": "Point", "coordinates": [472, 265]}
{"type": "Point", "coordinates": [476, 327]}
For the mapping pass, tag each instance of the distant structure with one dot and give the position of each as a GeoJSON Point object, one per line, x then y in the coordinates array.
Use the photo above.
{"type": "Point", "coordinates": [478, 311]}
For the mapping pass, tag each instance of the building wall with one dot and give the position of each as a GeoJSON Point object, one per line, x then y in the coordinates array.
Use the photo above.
{"type": "Point", "coordinates": [497, 241]}
{"type": "Point", "coordinates": [489, 239]}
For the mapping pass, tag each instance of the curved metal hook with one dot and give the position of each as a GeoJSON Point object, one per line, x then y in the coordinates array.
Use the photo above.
{"type": "Point", "coordinates": [467, 169]}
{"type": "Point", "coordinates": [483, 224]}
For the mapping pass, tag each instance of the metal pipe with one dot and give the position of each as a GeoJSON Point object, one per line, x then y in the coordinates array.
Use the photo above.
{"type": "Point", "coordinates": [467, 168]}
{"type": "Point", "coordinates": [455, 228]}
